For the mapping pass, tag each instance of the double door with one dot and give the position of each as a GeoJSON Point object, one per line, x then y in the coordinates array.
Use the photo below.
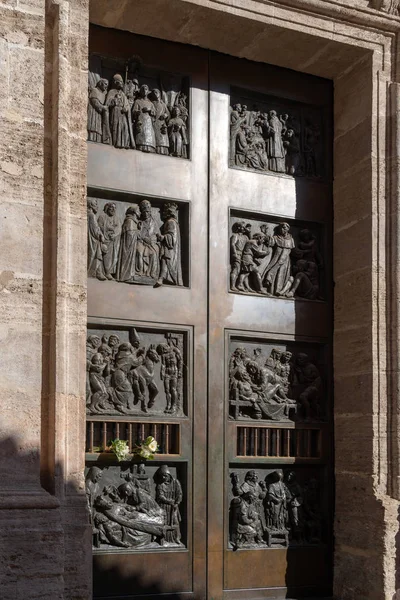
{"type": "Point", "coordinates": [209, 324]}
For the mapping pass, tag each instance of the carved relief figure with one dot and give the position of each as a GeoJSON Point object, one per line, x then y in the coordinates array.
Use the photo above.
{"type": "Point", "coordinates": [125, 377]}
{"type": "Point", "coordinates": [177, 134]}
{"type": "Point", "coordinates": [98, 116]}
{"type": "Point", "coordinates": [111, 230]}
{"type": "Point", "coordinates": [169, 497]}
{"type": "Point", "coordinates": [148, 249]}
{"type": "Point", "coordinates": [161, 119]}
{"type": "Point", "coordinates": [277, 274]}
{"type": "Point", "coordinates": [95, 240]}
{"type": "Point", "coordinates": [237, 243]}
{"type": "Point", "coordinates": [170, 240]}
{"type": "Point", "coordinates": [143, 113]}
{"type": "Point", "coordinates": [276, 505]}
{"type": "Point", "coordinates": [171, 373]}
{"type": "Point", "coordinates": [117, 102]}
{"type": "Point", "coordinates": [274, 129]}
{"type": "Point", "coordinates": [127, 263]}
{"type": "Point", "coordinates": [277, 387]}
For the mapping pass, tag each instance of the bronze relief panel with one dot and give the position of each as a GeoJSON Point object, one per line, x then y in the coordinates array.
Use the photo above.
{"type": "Point", "coordinates": [135, 240]}
{"type": "Point", "coordinates": [271, 507]}
{"type": "Point", "coordinates": [275, 135]}
{"type": "Point", "coordinates": [135, 107]}
{"type": "Point", "coordinates": [277, 381]}
{"type": "Point", "coordinates": [136, 371]}
{"type": "Point", "coordinates": [136, 507]}
{"type": "Point", "coordinates": [276, 257]}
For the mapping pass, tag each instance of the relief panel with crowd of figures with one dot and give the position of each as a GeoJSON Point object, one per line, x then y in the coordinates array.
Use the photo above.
{"type": "Point", "coordinates": [275, 257]}
{"type": "Point", "coordinates": [136, 371]}
{"type": "Point", "coordinates": [132, 106]}
{"type": "Point", "coordinates": [277, 380]}
{"type": "Point", "coordinates": [274, 507]}
{"type": "Point", "coordinates": [138, 242]}
{"type": "Point", "coordinates": [271, 135]}
{"type": "Point", "coordinates": [137, 506]}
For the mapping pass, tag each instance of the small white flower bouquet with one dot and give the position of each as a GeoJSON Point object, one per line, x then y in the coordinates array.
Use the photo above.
{"type": "Point", "coordinates": [120, 449]}
{"type": "Point", "coordinates": [146, 449]}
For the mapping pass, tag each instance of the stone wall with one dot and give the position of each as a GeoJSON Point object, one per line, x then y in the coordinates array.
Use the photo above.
{"type": "Point", "coordinates": [45, 541]}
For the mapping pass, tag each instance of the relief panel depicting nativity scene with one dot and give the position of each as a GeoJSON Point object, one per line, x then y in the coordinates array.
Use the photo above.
{"type": "Point", "coordinates": [276, 258]}
{"type": "Point", "coordinates": [136, 371]}
{"type": "Point", "coordinates": [134, 107]}
{"type": "Point", "coordinates": [272, 135]}
{"type": "Point", "coordinates": [136, 507]}
{"type": "Point", "coordinates": [138, 242]}
{"type": "Point", "coordinates": [277, 381]}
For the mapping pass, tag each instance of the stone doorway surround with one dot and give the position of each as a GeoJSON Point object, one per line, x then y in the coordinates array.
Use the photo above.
{"type": "Point", "coordinates": [44, 273]}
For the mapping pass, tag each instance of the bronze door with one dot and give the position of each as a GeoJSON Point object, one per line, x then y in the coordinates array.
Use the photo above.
{"type": "Point", "coordinates": [209, 325]}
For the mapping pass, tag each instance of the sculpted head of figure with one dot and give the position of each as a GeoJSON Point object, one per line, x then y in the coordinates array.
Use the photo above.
{"type": "Point", "coordinates": [134, 212]}
{"type": "Point", "coordinates": [164, 474]}
{"type": "Point", "coordinates": [94, 474]}
{"type": "Point", "coordinates": [283, 229]}
{"type": "Point", "coordinates": [145, 209]}
{"type": "Point", "coordinates": [251, 476]}
{"type": "Point", "coordinates": [102, 84]}
{"type": "Point", "coordinates": [94, 341]}
{"type": "Point", "coordinates": [291, 477]}
{"type": "Point", "coordinates": [170, 210]}
{"type": "Point", "coordinates": [144, 90]}
{"type": "Point", "coordinates": [276, 353]}
{"type": "Point", "coordinates": [302, 359]}
{"type": "Point", "coordinates": [301, 265]}
{"type": "Point", "coordinates": [92, 205]}
{"type": "Point", "coordinates": [286, 357]}
{"type": "Point", "coordinates": [176, 111]}
{"type": "Point", "coordinates": [272, 114]}
{"type": "Point", "coordinates": [237, 107]}
{"type": "Point", "coordinates": [113, 340]}
{"type": "Point", "coordinates": [110, 208]}
{"type": "Point", "coordinates": [118, 82]}
{"type": "Point", "coordinates": [156, 93]}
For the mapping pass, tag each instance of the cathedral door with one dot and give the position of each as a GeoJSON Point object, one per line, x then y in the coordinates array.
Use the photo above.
{"type": "Point", "coordinates": [209, 394]}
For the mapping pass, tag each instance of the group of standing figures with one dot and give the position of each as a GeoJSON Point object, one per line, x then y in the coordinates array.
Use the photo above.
{"type": "Point", "coordinates": [121, 376]}
{"type": "Point", "coordinates": [271, 264]}
{"type": "Point", "coordinates": [136, 250]}
{"type": "Point", "coordinates": [130, 115]}
{"type": "Point", "coordinates": [127, 515]}
{"type": "Point", "coordinates": [274, 512]}
{"type": "Point", "coordinates": [264, 141]}
{"type": "Point", "coordinates": [279, 387]}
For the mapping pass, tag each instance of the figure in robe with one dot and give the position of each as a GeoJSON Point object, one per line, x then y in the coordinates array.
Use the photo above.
{"type": "Point", "coordinates": [126, 267]}
{"type": "Point", "coordinates": [236, 121]}
{"type": "Point", "coordinates": [161, 119]}
{"type": "Point", "coordinates": [98, 118]}
{"type": "Point", "coordinates": [168, 497]}
{"type": "Point", "coordinates": [95, 240]}
{"type": "Point", "coordinates": [111, 230]}
{"type": "Point", "coordinates": [143, 115]}
{"type": "Point", "coordinates": [273, 130]}
{"type": "Point", "coordinates": [241, 145]}
{"type": "Point", "coordinates": [121, 131]}
{"type": "Point", "coordinates": [177, 134]}
{"type": "Point", "coordinates": [276, 503]}
{"type": "Point", "coordinates": [148, 249]}
{"type": "Point", "coordinates": [278, 272]}
{"type": "Point", "coordinates": [170, 253]}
